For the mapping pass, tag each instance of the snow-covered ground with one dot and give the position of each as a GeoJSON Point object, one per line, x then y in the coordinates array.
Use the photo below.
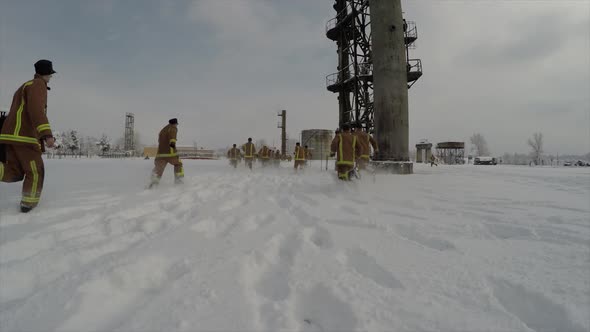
{"type": "Point", "coordinates": [464, 248]}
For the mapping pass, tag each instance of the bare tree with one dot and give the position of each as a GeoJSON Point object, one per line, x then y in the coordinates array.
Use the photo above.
{"type": "Point", "coordinates": [480, 144]}
{"type": "Point", "coordinates": [536, 143]}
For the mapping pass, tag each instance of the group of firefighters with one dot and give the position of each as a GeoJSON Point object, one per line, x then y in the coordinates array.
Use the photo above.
{"type": "Point", "coordinates": [25, 132]}
{"type": "Point", "coordinates": [351, 148]}
{"type": "Point", "coordinates": [266, 156]}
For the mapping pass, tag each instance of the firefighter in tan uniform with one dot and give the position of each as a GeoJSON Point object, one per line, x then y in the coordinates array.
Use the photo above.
{"type": "Point", "coordinates": [433, 161]}
{"type": "Point", "coordinates": [346, 148]}
{"type": "Point", "coordinates": [234, 156]}
{"type": "Point", "coordinates": [300, 155]}
{"type": "Point", "coordinates": [167, 154]}
{"type": "Point", "coordinates": [249, 152]}
{"type": "Point", "coordinates": [23, 135]}
{"type": "Point", "coordinates": [366, 141]}
{"type": "Point", "coordinates": [264, 155]}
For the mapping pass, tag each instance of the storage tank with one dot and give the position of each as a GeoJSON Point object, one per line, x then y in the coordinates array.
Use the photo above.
{"type": "Point", "coordinates": [318, 141]}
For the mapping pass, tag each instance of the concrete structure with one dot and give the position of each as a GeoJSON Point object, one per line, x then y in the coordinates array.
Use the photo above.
{"type": "Point", "coordinates": [451, 153]}
{"type": "Point", "coordinates": [283, 126]}
{"type": "Point", "coordinates": [423, 152]}
{"type": "Point", "coordinates": [390, 77]}
{"type": "Point", "coordinates": [184, 152]}
{"type": "Point", "coordinates": [319, 141]}
{"type": "Point", "coordinates": [375, 73]}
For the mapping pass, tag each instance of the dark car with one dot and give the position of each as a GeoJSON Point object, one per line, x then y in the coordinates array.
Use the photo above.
{"type": "Point", "coordinates": [485, 161]}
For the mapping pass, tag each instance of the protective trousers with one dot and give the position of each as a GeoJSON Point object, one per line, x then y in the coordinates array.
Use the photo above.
{"type": "Point", "coordinates": [299, 164]}
{"type": "Point", "coordinates": [344, 171]}
{"type": "Point", "coordinates": [362, 163]}
{"type": "Point", "coordinates": [160, 165]}
{"type": "Point", "coordinates": [24, 162]}
{"type": "Point", "coordinates": [248, 162]}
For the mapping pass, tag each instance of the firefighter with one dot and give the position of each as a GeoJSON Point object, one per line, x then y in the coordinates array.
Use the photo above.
{"type": "Point", "coordinates": [249, 151]}
{"type": "Point", "coordinates": [346, 148]}
{"type": "Point", "coordinates": [433, 161]}
{"type": "Point", "coordinates": [299, 156]}
{"type": "Point", "coordinates": [234, 155]}
{"type": "Point", "coordinates": [264, 155]}
{"type": "Point", "coordinates": [167, 154]}
{"type": "Point", "coordinates": [25, 133]}
{"type": "Point", "coordinates": [366, 141]}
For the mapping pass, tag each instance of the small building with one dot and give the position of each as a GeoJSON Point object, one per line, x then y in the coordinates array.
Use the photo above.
{"type": "Point", "coordinates": [184, 152]}
{"type": "Point", "coordinates": [451, 153]}
{"type": "Point", "coordinates": [318, 141]}
{"type": "Point", "coordinates": [423, 151]}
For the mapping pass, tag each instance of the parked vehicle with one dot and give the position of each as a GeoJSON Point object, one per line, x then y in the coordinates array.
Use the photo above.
{"type": "Point", "coordinates": [484, 161]}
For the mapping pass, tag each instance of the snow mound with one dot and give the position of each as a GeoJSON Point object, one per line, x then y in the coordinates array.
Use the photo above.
{"type": "Point", "coordinates": [447, 249]}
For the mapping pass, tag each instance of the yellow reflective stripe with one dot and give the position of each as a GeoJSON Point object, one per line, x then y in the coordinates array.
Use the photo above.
{"type": "Point", "coordinates": [19, 113]}
{"type": "Point", "coordinates": [181, 173]}
{"type": "Point", "coordinates": [166, 155]}
{"type": "Point", "coordinates": [297, 157]}
{"type": "Point", "coordinates": [1, 171]}
{"type": "Point", "coordinates": [43, 127]}
{"type": "Point", "coordinates": [21, 139]}
{"type": "Point", "coordinates": [27, 199]}
{"type": "Point", "coordinates": [35, 178]}
{"type": "Point", "coordinates": [173, 141]}
{"type": "Point", "coordinates": [341, 160]}
{"type": "Point", "coordinates": [21, 107]}
{"type": "Point", "coordinates": [365, 156]}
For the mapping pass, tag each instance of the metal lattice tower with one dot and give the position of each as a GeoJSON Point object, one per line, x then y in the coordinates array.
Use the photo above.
{"type": "Point", "coordinates": [129, 134]}
{"type": "Point", "coordinates": [351, 29]}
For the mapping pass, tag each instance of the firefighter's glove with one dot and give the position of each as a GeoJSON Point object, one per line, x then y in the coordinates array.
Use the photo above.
{"type": "Point", "coordinates": [332, 154]}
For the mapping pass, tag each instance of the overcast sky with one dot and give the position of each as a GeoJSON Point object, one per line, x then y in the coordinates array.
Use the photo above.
{"type": "Point", "coordinates": [505, 69]}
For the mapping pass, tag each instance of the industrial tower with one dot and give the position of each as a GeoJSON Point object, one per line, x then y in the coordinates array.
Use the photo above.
{"type": "Point", "coordinates": [374, 70]}
{"type": "Point", "coordinates": [283, 126]}
{"type": "Point", "coordinates": [129, 134]}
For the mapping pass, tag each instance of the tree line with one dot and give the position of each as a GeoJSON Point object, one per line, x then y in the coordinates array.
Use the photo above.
{"type": "Point", "coordinates": [71, 143]}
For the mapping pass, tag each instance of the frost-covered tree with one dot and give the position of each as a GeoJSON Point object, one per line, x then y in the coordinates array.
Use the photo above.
{"type": "Point", "coordinates": [480, 145]}
{"type": "Point", "coordinates": [73, 143]}
{"type": "Point", "coordinates": [536, 144]}
{"type": "Point", "coordinates": [104, 144]}
{"type": "Point", "coordinates": [61, 143]}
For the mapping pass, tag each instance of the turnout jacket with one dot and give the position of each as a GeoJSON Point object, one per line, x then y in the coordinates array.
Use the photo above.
{"type": "Point", "coordinates": [167, 142]}
{"type": "Point", "coordinates": [27, 122]}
